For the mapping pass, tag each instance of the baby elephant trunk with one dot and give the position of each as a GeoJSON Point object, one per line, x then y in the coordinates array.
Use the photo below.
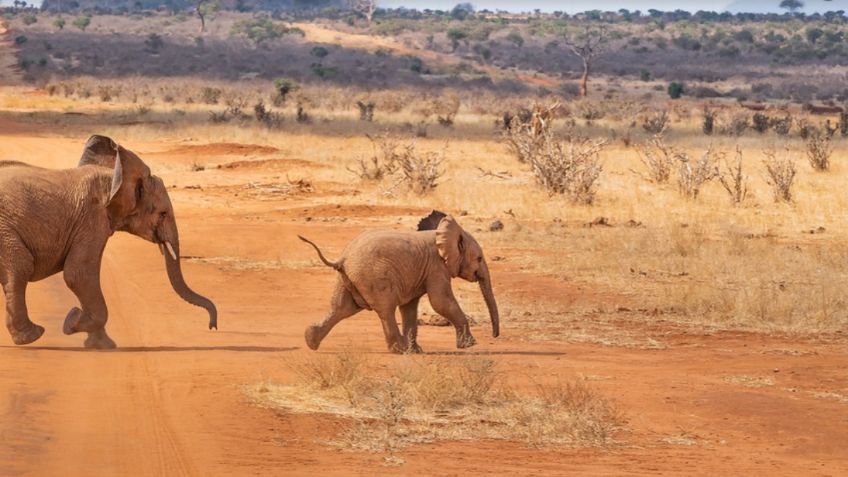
{"type": "Point", "coordinates": [171, 249]}
{"type": "Point", "coordinates": [485, 282]}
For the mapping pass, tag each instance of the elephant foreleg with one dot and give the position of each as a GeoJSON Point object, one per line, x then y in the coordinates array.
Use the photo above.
{"type": "Point", "coordinates": [85, 283]}
{"type": "Point", "coordinates": [23, 330]}
{"type": "Point", "coordinates": [409, 314]}
{"type": "Point", "coordinates": [445, 304]}
{"type": "Point", "coordinates": [342, 306]}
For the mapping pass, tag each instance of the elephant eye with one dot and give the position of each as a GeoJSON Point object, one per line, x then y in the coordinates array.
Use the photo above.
{"type": "Point", "coordinates": [480, 259]}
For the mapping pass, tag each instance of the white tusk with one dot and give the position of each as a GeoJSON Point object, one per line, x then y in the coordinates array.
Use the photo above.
{"type": "Point", "coordinates": [171, 250]}
{"type": "Point", "coordinates": [161, 249]}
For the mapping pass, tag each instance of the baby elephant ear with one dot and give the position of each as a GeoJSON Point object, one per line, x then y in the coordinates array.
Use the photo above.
{"type": "Point", "coordinates": [99, 151]}
{"type": "Point", "coordinates": [450, 244]}
{"type": "Point", "coordinates": [431, 221]}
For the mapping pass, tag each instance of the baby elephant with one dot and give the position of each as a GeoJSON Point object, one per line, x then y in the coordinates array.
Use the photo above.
{"type": "Point", "coordinates": [382, 270]}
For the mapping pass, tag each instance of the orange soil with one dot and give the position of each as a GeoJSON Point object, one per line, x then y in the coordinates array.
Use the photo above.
{"type": "Point", "coordinates": [169, 402]}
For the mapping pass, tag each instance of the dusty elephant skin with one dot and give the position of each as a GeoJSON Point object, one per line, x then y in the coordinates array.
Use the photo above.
{"type": "Point", "coordinates": [60, 220]}
{"type": "Point", "coordinates": [384, 270]}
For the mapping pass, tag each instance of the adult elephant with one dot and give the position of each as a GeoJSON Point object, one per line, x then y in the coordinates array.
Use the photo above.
{"type": "Point", "coordinates": [60, 220]}
{"type": "Point", "coordinates": [382, 270]}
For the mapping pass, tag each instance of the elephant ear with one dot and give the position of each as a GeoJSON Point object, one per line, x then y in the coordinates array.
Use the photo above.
{"type": "Point", "coordinates": [128, 177]}
{"type": "Point", "coordinates": [431, 222]}
{"type": "Point", "coordinates": [99, 151]}
{"type": "Point", "coordinates": [450, 244]}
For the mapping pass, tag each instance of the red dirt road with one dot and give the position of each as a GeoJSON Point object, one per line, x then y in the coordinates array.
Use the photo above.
{"type": "Point", "coordinates": [169, 401]}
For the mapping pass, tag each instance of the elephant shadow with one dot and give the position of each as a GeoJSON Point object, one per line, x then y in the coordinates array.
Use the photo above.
{"type": "Point", "coordinates": [165, 349]}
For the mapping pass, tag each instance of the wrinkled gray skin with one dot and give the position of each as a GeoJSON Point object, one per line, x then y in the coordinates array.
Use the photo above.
{"type": "Point", "coordinates": [384, 270]}
{"type": "Point", "coordinates": [60, 220]}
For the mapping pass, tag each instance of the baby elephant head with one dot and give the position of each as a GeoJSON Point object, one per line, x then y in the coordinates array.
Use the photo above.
{"type": "Point", "coordinates": [463, 258]}
{"type": "Point", "coordinates": [138, 203]}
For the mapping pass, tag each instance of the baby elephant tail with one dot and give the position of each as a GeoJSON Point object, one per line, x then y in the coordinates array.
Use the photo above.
{"type": "Point", "coordinates": [337, 266]}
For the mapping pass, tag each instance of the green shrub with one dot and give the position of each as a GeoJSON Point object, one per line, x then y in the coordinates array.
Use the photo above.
{"type": "Point", "coordinates": [59, 23]}
{"type": "Point", "coordinates": [29, 19]}
{"type": "Point", "coordinates": [82, 22]}
{"type": "Point", "coordinates": [20, 39]}
{"type": "Point", "coordinates": [515, 37]}
{"type": "Point", "coordinates": [455, 35]}
{"type": "Point", "coordinates": [675, 90]}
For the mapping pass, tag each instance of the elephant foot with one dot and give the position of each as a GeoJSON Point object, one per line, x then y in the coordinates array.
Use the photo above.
{"type": "Point", "coordinates": [27, 336]}
{"type": "Point", "coordinates": [99, 340]}
{"type": "Point", "coordinates": [413, 348]}
{"type": "Point", "coordinates": [312, 336]}
{"type": "Point", "coordinates": [465, 340]}
{"type": "Point", "coordinates": [399, 347]}
{"type": "Point", "coordinates": [72, 321]}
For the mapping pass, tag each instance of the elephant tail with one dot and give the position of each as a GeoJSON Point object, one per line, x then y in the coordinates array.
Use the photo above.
{"type": "Point", "coordinates": [337, 266]}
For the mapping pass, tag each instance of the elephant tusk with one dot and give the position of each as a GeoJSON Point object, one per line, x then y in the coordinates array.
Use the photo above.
{"type": "Point", "coordinates": [161, 249]}
{"type": "Point", "coordinates": [171, 250]}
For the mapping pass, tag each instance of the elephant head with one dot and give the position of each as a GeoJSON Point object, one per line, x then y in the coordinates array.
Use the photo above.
{"type": "Point", "coordinates": [463, 258]}
{"type": "Point", "coordinates": [138, 203]}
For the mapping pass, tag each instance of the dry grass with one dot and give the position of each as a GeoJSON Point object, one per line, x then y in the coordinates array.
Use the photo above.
{"type": "Point", "coordinates": [749, 381]}
{"type": "Point", "coordinates": [432, 399]}
{"type": "Point", "coordinates": [704, 265]}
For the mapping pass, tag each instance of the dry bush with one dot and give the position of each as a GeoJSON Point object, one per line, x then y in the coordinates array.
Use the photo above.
{"type": "Point", "coordinates": [589, 111]}
{"type": "Point", "coordinates": [735, 124]}
{"type": "Point", "coordinates": [454, 398]}
{"type": "Point", "coordinates": [266, 117]}
{"type": "Point", "coordinates": [384, 160]}
{"type": "Point", "coordinates": [392, 157]}
{"type": "Point", "coordinates": [366, 110]}
{"type": "Point", "coordinates": [421, 171]}
{"type": "Point", "coordinates": [658, 158]}
{"type": "Point", "coordinates": [734, 181]}
{"type": "Point", "coordinates": [781, 126]}
{"type": "Point", "coordinates": [656, 122]}
{"type": "Point", "coordinates": [693, 174]}
{"type": "Point", "coordinates": [760, 122]}
{"type": "Point", "coordinates": [570, 166]}
{"type": "Point", "coordinates": [819, 150]}
{"type": "Point", "coordinates": [708, 121]}
{"type": "Point", "coordinates": [445, 110]}
{"type": "Point", "coordinates": [780, 174]}
{"type": "Point", "coordinates": [521, 140]}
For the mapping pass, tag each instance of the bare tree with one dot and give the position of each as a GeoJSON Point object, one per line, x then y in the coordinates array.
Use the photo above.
{"type": "Point", "coordinates": [365, 8]}
{"type": "Point", "coordinates": [588, 45]}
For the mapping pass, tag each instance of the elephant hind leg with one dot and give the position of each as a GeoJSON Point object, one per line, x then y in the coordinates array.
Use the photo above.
{"type": "Point", "coordinates": [396, 342]}
{"type": "Point", "coordinates": [342, 306]}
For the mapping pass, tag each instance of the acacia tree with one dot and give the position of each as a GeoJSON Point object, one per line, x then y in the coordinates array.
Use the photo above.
{"type": "Point", "coordinates": [365, 8]}
{"type": "Point", "coordinates": [792, 5]}
{"type": "Point", "coordinates": [588, 45]}
{"type": "Point", "coordinates": [205, 8]}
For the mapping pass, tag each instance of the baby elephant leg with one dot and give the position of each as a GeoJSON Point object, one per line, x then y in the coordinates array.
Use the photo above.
{"type": "Point", "coordinates": [23, 330]}
{"type": "Point", "coordinates": [91, 318]}
{"type": "Point", "coordinates": [394, 340]}
{"type": "Point", "coordinates": [409, 314]}
{"type": "Point", "coordinates": [446, 305]}
{"type": "Point", "coordinates": [341, 306]}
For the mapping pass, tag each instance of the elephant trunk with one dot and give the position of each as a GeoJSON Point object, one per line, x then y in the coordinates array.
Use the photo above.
{"type": "Point", "coordinates": [171, 251]}
{"type": "Point", "coordinates": [485, 282]}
